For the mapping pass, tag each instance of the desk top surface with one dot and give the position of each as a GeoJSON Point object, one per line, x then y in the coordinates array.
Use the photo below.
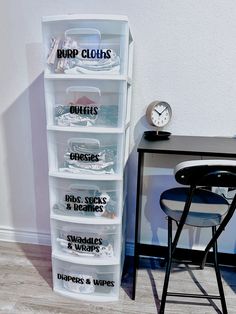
{"type": "Point", "coordinates": [191, 145]}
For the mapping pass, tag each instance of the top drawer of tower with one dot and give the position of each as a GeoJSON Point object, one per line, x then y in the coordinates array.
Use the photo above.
{"type": "Point", "coordinates": [87, 45]}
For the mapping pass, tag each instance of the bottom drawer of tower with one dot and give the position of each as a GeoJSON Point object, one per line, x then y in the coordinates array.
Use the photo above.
{"type": "Point", "coordinates": [86, 282]}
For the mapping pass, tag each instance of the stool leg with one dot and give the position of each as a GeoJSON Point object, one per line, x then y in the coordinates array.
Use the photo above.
{"type": "Point", "coordinates": [218, 276]}
{"type": "Point", "coordinates": [219, 230]}
{"type": "Point", "coordinates": [168, 267]}
{"type": "Point", "coordinates": [183, 218]}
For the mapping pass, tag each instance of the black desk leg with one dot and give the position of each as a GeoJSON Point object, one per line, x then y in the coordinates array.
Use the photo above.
{"type": "Point", "coordinates": [137, 218]}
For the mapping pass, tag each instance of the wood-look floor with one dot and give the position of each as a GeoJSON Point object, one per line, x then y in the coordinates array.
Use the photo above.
{"type": "Point", "coordinates": [26, 286]}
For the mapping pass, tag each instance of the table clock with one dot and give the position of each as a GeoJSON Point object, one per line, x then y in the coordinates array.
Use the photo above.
{"type": "Point", "coordinates": [158, 114]}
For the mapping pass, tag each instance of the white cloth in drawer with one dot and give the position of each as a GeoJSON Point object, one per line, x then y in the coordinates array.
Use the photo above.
{"type": "Point", "coordinates": [103, 158]}
{"type": "Point", "coordinates": [86, 286]}
{"type": "Point", "coordinates": [80, 64]}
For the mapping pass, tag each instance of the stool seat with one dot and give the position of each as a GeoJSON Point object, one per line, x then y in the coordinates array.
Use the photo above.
{"type": "Point", "coordinates": [207, 208]}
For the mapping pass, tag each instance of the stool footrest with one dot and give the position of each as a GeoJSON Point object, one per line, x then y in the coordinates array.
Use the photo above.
{"type": "Point", "coordinates": [189, 295]}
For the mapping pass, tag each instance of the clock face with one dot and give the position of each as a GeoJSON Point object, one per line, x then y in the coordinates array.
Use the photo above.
{"type": "Point", "coordinates": [160, 114]}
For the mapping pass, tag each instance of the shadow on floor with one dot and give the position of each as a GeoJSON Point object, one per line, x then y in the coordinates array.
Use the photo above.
{"type": "Point", "coordinates": [152, 265]}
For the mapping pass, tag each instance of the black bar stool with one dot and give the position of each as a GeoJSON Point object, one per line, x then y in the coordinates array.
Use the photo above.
{"type": "Point", "coordinates": [199, 207]}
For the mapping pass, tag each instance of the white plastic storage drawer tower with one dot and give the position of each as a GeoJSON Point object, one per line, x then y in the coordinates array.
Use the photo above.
{"type": "Point", "coordinates": [87, 79]}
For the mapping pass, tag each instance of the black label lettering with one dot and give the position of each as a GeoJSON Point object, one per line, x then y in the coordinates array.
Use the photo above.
{"type": "Point", "coordinates": [72, 198]}
{"type": "Point", "coordinates": [70, 278]}
{"type": "Point", "coordinates": [84, 157]}
{"type": "Point", "coordinates": [95, 200]}
{"type": "Point", "coordinates": [103, 283]}
{"type": "Point", "coordinates": [88, 203]}
{"type": "Point", "coordinates": [84, 240]}
{"type": "Point", "coordinates": [86, 110]}
{"type": "Point", "coordinates": [96, 54]}
{"type": "Point", "coordinates": [67, 53]}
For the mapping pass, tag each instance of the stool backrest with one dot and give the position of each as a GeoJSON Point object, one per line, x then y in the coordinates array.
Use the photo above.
{"type": "Point", "coordinates": [212, 172]}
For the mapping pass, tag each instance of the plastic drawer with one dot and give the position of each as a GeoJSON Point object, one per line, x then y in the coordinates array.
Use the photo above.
{"type": "Point", "coordinates": [85, 199]}
{"type": "Point", "coordinates": [95, 283]}
{"type": "Point", "coordinates": [85, 103]}
{"type": "Point", "coordinates": [85, 153]}
{"type": "Point", "coordinates": [86, 241]}
{"type": "Point", "coordinates": [73, 47]}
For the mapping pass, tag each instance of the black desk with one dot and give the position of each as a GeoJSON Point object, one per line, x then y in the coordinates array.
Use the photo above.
{"type": "Point", "coordinates": [177, 145]}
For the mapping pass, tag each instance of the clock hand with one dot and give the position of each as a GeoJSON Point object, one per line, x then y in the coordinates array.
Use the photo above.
{"type": "Point", "coordinates": [157, 112]}
{"type": "Point", "coordinates": [162, 111]}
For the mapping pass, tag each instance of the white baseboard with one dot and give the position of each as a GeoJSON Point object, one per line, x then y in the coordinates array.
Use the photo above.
{"type": "Point", "coordinates": [13, 235]}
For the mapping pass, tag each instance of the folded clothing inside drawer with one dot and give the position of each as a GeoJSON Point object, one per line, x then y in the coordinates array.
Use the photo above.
{"type": "Point", "coordinates": [91, 115]}
{"type": "Point", "coordinates": [90, 103]}
{"type": "Point", "coordinates": [99, 241]}
{"type": "Point", "coordinates": [82, 104]}
{"type": "Point", "coordinates": [81, 50]}
{"type": "Point", "coordinates": [87, 201]}
{"type": "Point", "coordinates": [83, 279]}
{"type": "Point", "coordinates": [85, 155]}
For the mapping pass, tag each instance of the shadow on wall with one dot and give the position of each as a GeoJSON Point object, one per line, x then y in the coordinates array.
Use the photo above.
{"type": "Point", "coordinates": [25, 137]}
{"type": "Point", "coordinates": [157, 178]}
{"type": "Point", "coordinates": [132, 165]}
{"type": "Point", "coordinates": [26, 150]}
{"type": "Point", "coordinates": [40, 166]}
{"type": "Point", "coordinates": [153, 185]}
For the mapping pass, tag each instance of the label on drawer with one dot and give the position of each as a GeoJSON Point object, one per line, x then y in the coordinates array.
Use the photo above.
{"type": "Point", "coordinates": [89, 110]}
{"type": "Point", "coordinates": [84, 280]}
{"type": "Point", "coordinates": [86, 246]}
{"type": "Point", "coordinates": [84, 53]}
{"type": "Point", "coordinates": [84, 157]}
{"type": "Point", "coordinates": [86, 204]}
